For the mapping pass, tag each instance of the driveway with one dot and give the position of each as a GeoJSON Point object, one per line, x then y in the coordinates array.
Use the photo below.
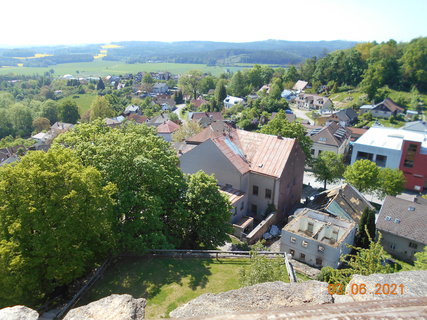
{"type": "Point", "coordinates": [301, 113]}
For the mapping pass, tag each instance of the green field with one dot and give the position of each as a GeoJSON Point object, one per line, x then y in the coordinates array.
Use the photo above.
{"type": "Point", "coordinates": [104, 68]}
{"type": "Point", "coordinates": [83, 101]}
{"type": "Point", "coordinates": [167, 283]}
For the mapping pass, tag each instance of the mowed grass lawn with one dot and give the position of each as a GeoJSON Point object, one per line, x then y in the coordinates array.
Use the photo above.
{"type": "Point", "coordinates": [167, 283]}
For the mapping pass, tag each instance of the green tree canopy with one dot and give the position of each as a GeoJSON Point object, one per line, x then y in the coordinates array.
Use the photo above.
{"type": "Point", "coordinates": [55, 218]}
{"type": "Point", "coordinates": [187, 130]}
{"type": "Point", "coordinates": [21, 119]}
{"type": "Point", "coordinates": [68, 111]}
{"type": "Point", "coordinates": [146, 172]}
{"type": "Point", "coordinates": [366, 229]}
{"type": "Point", "coordinates": [280, 126]}
{"type": "Point", "coordinates": [391, 182]}
{"type": "Point", "coordinates": [190, 83]}
{"type": "Point", "coordinates": [101, 108]}
{"type": "Point", "coordinates": [328, 167]}
{"type": "Point", "coordinates": [49, 110]}
{"type": "Point", "coordinates": [40, 124]}
{"type": "Point", "coordinates": [220, 92]}
{"type": "Point", "coordinates": [208, 210]}
{"type": "Point", "coordinates": [363, 175]}
{"type": "Point", "coordinates": [421, 259]}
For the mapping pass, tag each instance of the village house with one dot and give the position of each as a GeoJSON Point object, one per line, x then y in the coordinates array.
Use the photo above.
{"type": "Point", "coordinates": [204, 119]}
{"type": "Point", "coordinates": [267, 169]}
{"type": "Point", "coordinates": [403, 224]}
{"type": "Point", "coordinates": [345, 117]}
{"type": "Point", "coordinates": [384, 109]}
{"type": "Point", "coordinates": [332, 137]}
{"type": "Point", "coordinates": [396, 149]}
{"type": "Point", "coordinates": [160, 88]}
{"type": "Point", "coordinates": [231, 101]}
{"type": "Point", "coordinates": [197, 103]}
{"type": "Point", "coordinates": [345, 202]}
{"type": "Point", "coordinates": [157, 121]}
{"type": "Point", "coordinates": [132, 109]}
{"type": "Point", "coordinates": [314, 102]}
{"type": "Point", "coordinates": [289, 95]}
{"type": "Point", "coordinates": [166, 129]}
{"type": "Point", "coordinates": [316, 238]}
{"type": "Point", "coordinates": [214, 130]}
{"type": "Point", "coordinates": [300, 85]}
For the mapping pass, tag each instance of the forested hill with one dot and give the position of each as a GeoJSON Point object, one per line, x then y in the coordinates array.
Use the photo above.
{"type": "Point", "coordinates": [279, 52]}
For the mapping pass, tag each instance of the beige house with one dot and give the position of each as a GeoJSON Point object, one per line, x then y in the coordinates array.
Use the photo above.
{"type": "Point", "coordinates": [332, 137]}
{"type": "Point", "coordinates": [266, 169]}
{"type": "Point", "coordinates": [316, 238]}
{"type": "Point", "coordinates": [402, 225]}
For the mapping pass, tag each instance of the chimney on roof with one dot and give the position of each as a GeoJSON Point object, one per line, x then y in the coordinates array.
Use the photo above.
{"type": "Point", "coordinates": [280, 137]}
{"type": "Point", "coordinates": [180, 151]}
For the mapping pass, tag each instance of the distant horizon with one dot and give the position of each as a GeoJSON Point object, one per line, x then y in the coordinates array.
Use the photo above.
{"type": "Point", "coordinates": [30, 23]}
{"type": "Point", "coordinates": [5, 46]}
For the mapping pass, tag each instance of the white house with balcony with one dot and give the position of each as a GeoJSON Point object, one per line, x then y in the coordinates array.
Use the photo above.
{"type": "Point", "coordinates": [316, 238]}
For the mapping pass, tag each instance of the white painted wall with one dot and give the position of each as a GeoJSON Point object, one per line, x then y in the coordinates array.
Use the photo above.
{"type": "Point", "coordinates": [393, 156]}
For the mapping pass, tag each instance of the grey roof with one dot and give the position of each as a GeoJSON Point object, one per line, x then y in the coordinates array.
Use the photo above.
{"type": "Point", "coordinates": [416, 126]}
{"type": "Point", "coordinates": [403, 218]}
{"type": "Point", "coordinates": [346, 114]}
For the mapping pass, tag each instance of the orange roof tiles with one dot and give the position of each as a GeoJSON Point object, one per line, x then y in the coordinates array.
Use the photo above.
{"type": "Point", "coordinates": [167, 127]}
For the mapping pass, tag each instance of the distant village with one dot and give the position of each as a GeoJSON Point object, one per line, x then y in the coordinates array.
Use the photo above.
{"type": "Point", "coordinates": [259, 172]}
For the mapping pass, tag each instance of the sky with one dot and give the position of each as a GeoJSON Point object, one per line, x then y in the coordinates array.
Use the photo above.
{"type": "Point", "coordinates": [53, 22]}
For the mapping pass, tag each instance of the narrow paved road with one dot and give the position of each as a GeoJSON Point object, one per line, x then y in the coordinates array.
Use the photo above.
{"type": "Point", "coordinates": [178, 109]}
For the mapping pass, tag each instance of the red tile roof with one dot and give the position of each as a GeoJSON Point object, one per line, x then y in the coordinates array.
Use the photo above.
{"type": "Point", "coordinates": [137, 118]}
{"type": "Point", "coordinates": [198, 102]}
{"type": "Point", "coordinates": [214, 130]}
{"type": "Point", "coordinates": [167, 127]}
{"type": "Point", "coordinates": [256, 152]}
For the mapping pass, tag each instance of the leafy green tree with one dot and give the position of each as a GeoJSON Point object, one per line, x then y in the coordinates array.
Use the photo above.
{"type": "Point", "coordinates": [100, 108]}
{"type": "Point", "coordinates": [239, 85]}
{"type": "Point", "coordinates": [22, 120]}
{"type": "Point", "coordinates": [187, 130]}
{"type": "Point", "coordinates": [280, 126]}
{"type": "Point", "coordinates": [291, 76]}
{"type": "Point", "coordinates": [391, 182]}
{"type": "Point", "coordinates": [414, 63]}
{"type": "Point", "coordinates": [262, 269]}
{"type": "Point", "coordinates": [68, 111]}
{"type": "Point", "coordinates": [421, 259]}
{"type": "Point", "coordinates": [363, 175]}
{"type": "Point", "coordinates": [40, 124]}
{"type": "Point", "coordinates": [208, 210]}
{"type": "Point", "coordinates": [206, 84]}
{"type": "Point", "coordinates": [328, 167]}
{"type": "Point", "coordinates": [276, 90]}
{"type": "Point", "coordinates": [145, 169]}
{"type": "Point", "coordinates": [179, 98]}
{"type": "Point", "coordinates": [50, 111]}
{"type": "Point", "coordinates": [366, 230]}
{"type": "Point", "coordinates": [100, 85]}
{"type": "Point", "coordinates": [6, 126]}
{"type": "Point", "coordinates": [190, 82]}
{"type": "Point", "coordinates": [56, 224]}
{"type": "Point", "coordinates": [147, 78]}
{"type": "Point", "coordinates": [220, 92]}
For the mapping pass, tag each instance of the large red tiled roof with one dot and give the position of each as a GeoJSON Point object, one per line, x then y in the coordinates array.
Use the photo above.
{"type": "Point", "coordinates": [214, 130]}
{"type": "Point", "coordinates": [256, 152]}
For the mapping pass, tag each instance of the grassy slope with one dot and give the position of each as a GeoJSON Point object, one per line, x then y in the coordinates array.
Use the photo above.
{"type": "Point", "coordinates": [103, 68]}
{"type": "Point", "coordinates": [167, 283]}
{"type": "Point", "coordinates": [83, 101]}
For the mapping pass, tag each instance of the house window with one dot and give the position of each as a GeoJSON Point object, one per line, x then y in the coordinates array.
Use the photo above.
{"type": "Point", "coordinates": [312, 152]}
{"type": "Point", "coordinates": [381, 160]}
{"type": "Point", "coordinates": [321, 249]}
{"type": "Point", "coordinates": [242, 205]}
{"type": "Point", "coordinates": [293, 240]}
{"type": "Point", "coordinates": [302, 256]}
{"type": "Point", "coordinates": [410, 156]}
{"type": "Point", "coordinates": [310, 226]}
{"type": "Point", "coordinates": [292, 252]}
{"type": "Point", "coordinates": [255, 190]}
{"type": "Point", "coordinates": [393, 246]}
{"type": "Point", "coordinates": [319, 261]}
{"type": "Point", "coordinates": [254, 209]}
{"type": "Point", "coordinates": [304, 243]}
{"type": "Point", "coordinates": [235, 212]}
{"type": "Point", "coordinates": [413, 245]}
{"type": "Point", "coordinates": [267, 193]}
{"type": "Point", "coordinates": [364, 155]}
